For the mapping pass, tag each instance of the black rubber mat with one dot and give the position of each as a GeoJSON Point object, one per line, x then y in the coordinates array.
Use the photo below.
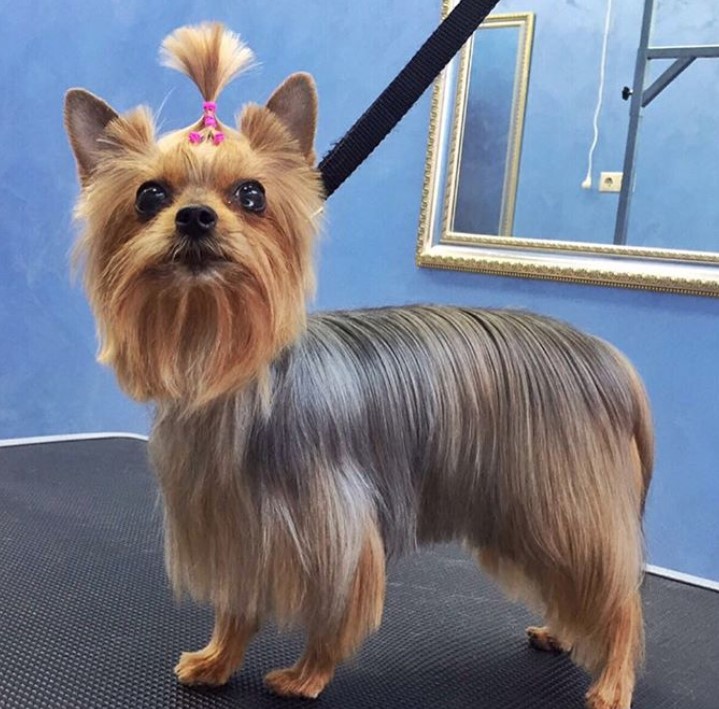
{"type": "Point", "coordinates": [86, 618]}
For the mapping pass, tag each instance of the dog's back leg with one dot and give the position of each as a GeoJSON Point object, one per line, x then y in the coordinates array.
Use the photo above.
{"type": "Point", "coordinates": [622, 643]}
{"type": "Point", "coordinates": [621, 648]}
{"type": "Point", "coordinates": [605, 636]}
{"type": "Point", "coordinates": [545, 639]}
{"type": "Point", "coordinates": [578, 560]}
{"type": "Point", "coordinates": [594, 601]}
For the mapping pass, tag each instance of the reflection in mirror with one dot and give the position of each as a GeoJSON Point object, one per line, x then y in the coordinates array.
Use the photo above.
{"type": "Point", "coordinates": [489, 94]}
{"type": "Point", "coordinates": [504, 188]}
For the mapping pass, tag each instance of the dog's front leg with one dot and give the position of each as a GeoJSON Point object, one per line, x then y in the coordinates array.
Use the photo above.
{"type": "Point", "coordinates": [215, 663]}
{"type": "Point", "coordinates": [327, 646]}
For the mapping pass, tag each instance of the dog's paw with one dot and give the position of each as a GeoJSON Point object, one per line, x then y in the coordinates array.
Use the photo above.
{"type": "Point", "coordinates": [202, 667]}
{"type": "Point", "coordinates": [542, 639]}
{"type": "Point", "coordinates": [295, 683]}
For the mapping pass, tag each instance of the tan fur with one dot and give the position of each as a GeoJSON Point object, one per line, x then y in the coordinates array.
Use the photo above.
{"type": "Point", "coordinates": [214, 664]}
{"type": "Point", "coordinates": [600, 621]}
{"type": "Point", "coordinates": [361, 616]}
{"type": "Point", "coordinates": [295, 453]}
{"type": "Point", "coordinates": [209, 54]}
{"type": "Point", "coordinates": [544, 639]}
{"type": "Point", "coordinates": [252, 306]}
{"type": "Point", "coordinates": [622, 645]}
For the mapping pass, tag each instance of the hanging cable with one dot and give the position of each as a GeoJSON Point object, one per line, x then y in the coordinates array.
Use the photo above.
{"type": "Point", "coordinates": [587, 184]}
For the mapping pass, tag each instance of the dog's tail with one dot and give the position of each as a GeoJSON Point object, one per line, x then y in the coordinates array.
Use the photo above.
{"type": "Point", "coordinates": [643, 434]}
{"type": "Point", "coordinates": [643, 426]}
{"type": "Point", "coordinates": [209, 54]}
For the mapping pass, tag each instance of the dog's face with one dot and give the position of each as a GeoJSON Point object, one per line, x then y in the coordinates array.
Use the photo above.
{"type": "Point", "coordinates": [197, 254]}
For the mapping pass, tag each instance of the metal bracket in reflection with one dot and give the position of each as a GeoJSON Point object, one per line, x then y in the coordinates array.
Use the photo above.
{"type": "Point", "coordinates": [641, 97]}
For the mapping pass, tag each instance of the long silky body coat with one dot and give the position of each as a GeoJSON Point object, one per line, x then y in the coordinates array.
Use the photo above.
{"type": "Point", "coordinates": [509, 431]}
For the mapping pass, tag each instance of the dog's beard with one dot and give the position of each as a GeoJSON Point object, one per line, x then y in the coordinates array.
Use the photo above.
{"type": "Point", "coordinates": [193, 332]}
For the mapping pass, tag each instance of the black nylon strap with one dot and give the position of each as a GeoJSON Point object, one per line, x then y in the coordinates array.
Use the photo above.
{"type": "Point", "coordinates": [402, 93]}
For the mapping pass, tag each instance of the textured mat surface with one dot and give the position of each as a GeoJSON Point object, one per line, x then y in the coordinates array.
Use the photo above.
{"type": "Point", "coordinates": [86, 618]}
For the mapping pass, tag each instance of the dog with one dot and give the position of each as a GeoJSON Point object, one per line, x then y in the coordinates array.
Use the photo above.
{"type": "Point", "coordinates": [297, 453]}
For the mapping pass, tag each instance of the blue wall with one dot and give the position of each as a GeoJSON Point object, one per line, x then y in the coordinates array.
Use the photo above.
{"type": "Point", "coordinates": [49, 382]}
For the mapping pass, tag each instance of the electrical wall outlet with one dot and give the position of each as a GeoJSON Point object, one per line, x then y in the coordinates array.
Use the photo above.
{"type": "Point", "coordinates": [610, 182]}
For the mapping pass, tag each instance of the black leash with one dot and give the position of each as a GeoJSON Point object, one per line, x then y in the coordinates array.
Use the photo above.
{"type": "Point", "coordinates": [404, 91]}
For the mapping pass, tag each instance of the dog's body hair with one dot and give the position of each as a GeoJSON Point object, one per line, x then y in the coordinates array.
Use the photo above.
{"type": "Point", "coordinates": [509, 431]}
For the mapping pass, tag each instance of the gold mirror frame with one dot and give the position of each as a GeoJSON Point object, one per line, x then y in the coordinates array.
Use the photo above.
{"type": "Point", "coordinates": [678, 271]}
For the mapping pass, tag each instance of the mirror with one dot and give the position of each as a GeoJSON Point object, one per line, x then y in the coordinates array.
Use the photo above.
{"type": "Point", "coordinates": [510, 131]}
{"type": "Point", "coordinates": [488, 100]}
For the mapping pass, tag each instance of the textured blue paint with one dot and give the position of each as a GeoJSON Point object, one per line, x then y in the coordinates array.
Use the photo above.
{"type": "Point", "coordinates": [48, 380]}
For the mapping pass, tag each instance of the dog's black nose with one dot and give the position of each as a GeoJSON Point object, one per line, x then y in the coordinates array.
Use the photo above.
{"type": "Point", "coordinates": [195, 220]}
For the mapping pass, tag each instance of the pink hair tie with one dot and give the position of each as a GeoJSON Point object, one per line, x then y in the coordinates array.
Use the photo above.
{"type": "Point", "coordinates": [209, 121]}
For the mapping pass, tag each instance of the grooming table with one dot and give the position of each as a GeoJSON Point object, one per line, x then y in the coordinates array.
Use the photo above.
{"type": "Point", "coordinates": [87, 620]}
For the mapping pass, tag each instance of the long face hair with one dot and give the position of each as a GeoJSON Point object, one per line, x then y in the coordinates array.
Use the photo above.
{"type": "Point", "coordinates": [184, 318]}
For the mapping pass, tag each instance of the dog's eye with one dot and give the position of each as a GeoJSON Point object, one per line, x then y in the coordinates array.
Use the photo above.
{"type": "Point", "coordinates": [251, 196]}
{"type": "Point", "coordinates": [151, 197]}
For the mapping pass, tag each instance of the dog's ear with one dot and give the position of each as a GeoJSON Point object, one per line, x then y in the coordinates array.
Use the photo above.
{"type": "Point", "coordinates": [86, 117]}
{"type": "Point", "coordinates": [294, 102]}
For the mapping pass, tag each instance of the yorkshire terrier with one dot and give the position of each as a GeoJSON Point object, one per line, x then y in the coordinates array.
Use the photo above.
{"type": "Point", "coordinates": [297, 453]}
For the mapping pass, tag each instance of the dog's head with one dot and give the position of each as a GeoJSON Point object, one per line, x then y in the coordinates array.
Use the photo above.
{"type": "Point", "coordinates": [197, 247]}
